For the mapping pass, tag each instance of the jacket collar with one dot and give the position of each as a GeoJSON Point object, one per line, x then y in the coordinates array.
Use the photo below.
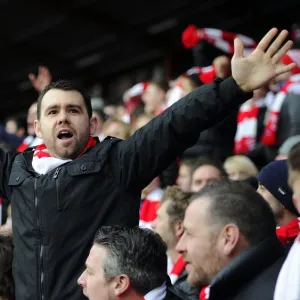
{"type": "Point", "coordinates": [245, 267]}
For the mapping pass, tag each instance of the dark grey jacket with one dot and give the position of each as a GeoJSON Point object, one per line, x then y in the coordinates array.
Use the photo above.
{"type": "Point", "coordinates": [252, 275]}
{"type": "Point", "coordinates": [55, 216]}
{"type": "Point", "coordinates": [289, 123]}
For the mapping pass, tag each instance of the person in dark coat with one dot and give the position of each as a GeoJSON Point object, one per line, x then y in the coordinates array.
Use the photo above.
{"type": "Point", "coordinates": [62, 191]}
{"type": "Point", "coordinates": [126, 264]}
{"type": "Point", "coordinates": [274, 188]}
{"type": "Point", "coordinates": [230, 245]}
{"type": "Point", "coordinates": [6, 258]}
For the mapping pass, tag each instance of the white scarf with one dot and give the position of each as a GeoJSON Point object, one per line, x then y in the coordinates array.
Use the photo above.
{"type": "Point", "coordinates": [288, 281]}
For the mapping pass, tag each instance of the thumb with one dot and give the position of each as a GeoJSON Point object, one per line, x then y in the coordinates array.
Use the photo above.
{"type": "Point", "coordinates": [238, 48]}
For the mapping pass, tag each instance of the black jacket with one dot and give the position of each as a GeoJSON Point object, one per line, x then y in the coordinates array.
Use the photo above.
{"type": "Point", "coordinates": [217, 141]}
{"type": "Point", "coordinates": [55, 216]}
{"type": "Point", "coordinates": [252, 275]}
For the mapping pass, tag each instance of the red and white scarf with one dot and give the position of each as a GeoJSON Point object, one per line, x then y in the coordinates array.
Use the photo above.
{"type": "Point", "coordinates": [204, 293]}
{"type": "Point", "coordinates": [149, 208]}
{"type": "Point", "coordinates": [223, 40]}
{"type": "Point", "coordinates": [43, 162]}
{"type": "Point", "coordinates": [269, 137]}
{"type": "Point", "coordinates": [206, 74]}
{"type": "Point", "coordinates": [287, 234]}
{"type": "Point", "coordinates": [157, 294]}
{"type": "Point", "coordinates": [288, 281]}
{"type": "Point", "coordinates": [134, 96]}
{"type": "Point", "coordinates": [28, 142]}
{"type": "Point", "coordinates": [245, 138]}
{"type": "Point", "coordinates": [178, 268]}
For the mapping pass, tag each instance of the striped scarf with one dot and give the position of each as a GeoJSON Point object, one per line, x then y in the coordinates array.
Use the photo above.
{"type": "Point", "coordinates": [177, 269]}
{"type": "Point", "coordinates": [223, 40]}
{"type": "Point", "coordinates": [28, 142]}
{"type": "Point", "coordinates": [245, 138]}
{"type": "Point", "coordinates": [204, 293]}
{"type": "Point", "coordinates": [149, 207]}
{"type": "Point", "coordinates": [43, 162]}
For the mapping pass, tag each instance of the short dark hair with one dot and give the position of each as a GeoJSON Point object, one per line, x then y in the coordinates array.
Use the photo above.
{"type": "Point", "coordinates": [204, 161]}
{"type": "Point", "coordinates": [236, 202]}
{"type": "Point", "coordinates": [294, 158]}
{"type": "Point", "coordinates": [189, 162]}
{"type": "Point", "coordinates": [101, 114]}
{"type": "Point", "coordinates": [6, 257]}
{"type": "Point", "coordinates": [179, 202]}
{"type": "Point", "coordinates": [138, 253]}
{"type": "Point", "coordinates": [65, 85]}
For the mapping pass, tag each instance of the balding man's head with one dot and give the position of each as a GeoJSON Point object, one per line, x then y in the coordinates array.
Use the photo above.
{"type": "Point", "coordinates": [222, 220]}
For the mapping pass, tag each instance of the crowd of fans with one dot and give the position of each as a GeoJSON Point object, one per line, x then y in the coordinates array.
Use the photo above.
{"type": "Point", "coordinates": [220, 222]}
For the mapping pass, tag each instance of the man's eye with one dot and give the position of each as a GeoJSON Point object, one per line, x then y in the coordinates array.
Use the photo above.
{"type": "Point", "coordinates": [52, 112]}
{"type": "Point", "coordinates": [73, 111]}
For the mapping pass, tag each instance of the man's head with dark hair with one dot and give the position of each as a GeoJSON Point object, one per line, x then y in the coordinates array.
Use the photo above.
{"type": "Point", "coordinates": [6, 257]}
{"type": "Point", "coordinates": [170, 214]}
{"type": "Point", "coordinates": [206, 171]}
{"type": "Point", "coordinates": [124, 263]}
{"type": "Point", "coordinates": [64, 119]}
{"type": "Point", "coordinates": [184, 179]}
{"type": "Point", "coordinates": [222, 221]}
{"type": "Point", "coordinates": [65, 85]}
{"type": "Point", "coordinates": [294, 174]}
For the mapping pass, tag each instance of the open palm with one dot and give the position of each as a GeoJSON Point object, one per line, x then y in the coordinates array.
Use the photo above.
{"type": "Point", "coordinates": [263, 63]}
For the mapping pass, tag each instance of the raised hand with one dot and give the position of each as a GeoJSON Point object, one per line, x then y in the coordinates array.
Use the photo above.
{"type": "Point", "coordinates": [263, 63]}
{"type": "Point", "coordinates": [43, 79]}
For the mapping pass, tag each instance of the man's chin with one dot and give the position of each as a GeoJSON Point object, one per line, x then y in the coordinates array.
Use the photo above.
{"type": "Point", "coordinates": [195, 281]}
{"type": "Point", "coordinates": [67, 153]}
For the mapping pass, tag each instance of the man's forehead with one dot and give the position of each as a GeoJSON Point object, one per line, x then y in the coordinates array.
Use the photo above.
{"type": "Point", "coordinates": [62, 98]}
{"type": "Point", "coordinates": [96, 255]}
{"type": "Point", "coordinates": [196, 212]}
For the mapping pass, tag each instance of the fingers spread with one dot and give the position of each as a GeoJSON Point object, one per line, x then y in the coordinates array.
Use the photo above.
{"type": "Point", "coordinates": [282, 51]}
{"type": "Point", "coordinates": [277, 43]}
{"type": "Point", "coordinates": [280, 69]}
{"type": "Point", "coordinates": [266, 40]}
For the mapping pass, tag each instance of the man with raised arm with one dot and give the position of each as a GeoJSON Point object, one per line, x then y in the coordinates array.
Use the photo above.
{"type": "Point", "coordinates": [62, 191]}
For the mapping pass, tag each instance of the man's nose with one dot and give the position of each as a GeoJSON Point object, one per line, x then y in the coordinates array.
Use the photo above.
{"type": "Point", "coordinates": [81, 280]}
{"type": "Point", "coordinates": [63, 117]}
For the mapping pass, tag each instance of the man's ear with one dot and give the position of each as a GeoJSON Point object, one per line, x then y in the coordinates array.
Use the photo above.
{"type": "Point", "coordinates": [228, 239]}
{"type": "Point", "coordinates": [178, 228]}
{"type": "Point", "coordinates": [93, 125]}
{"type": "Point", "coordinates": [121, 284]}
{"type": "Point", "coordinates": [37, 129]}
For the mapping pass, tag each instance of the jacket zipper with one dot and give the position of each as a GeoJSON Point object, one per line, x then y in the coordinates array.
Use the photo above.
{"type": "Point", "coordinates": [57, 190]}
{"type": "Point", "coordinates": [41, 252]}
